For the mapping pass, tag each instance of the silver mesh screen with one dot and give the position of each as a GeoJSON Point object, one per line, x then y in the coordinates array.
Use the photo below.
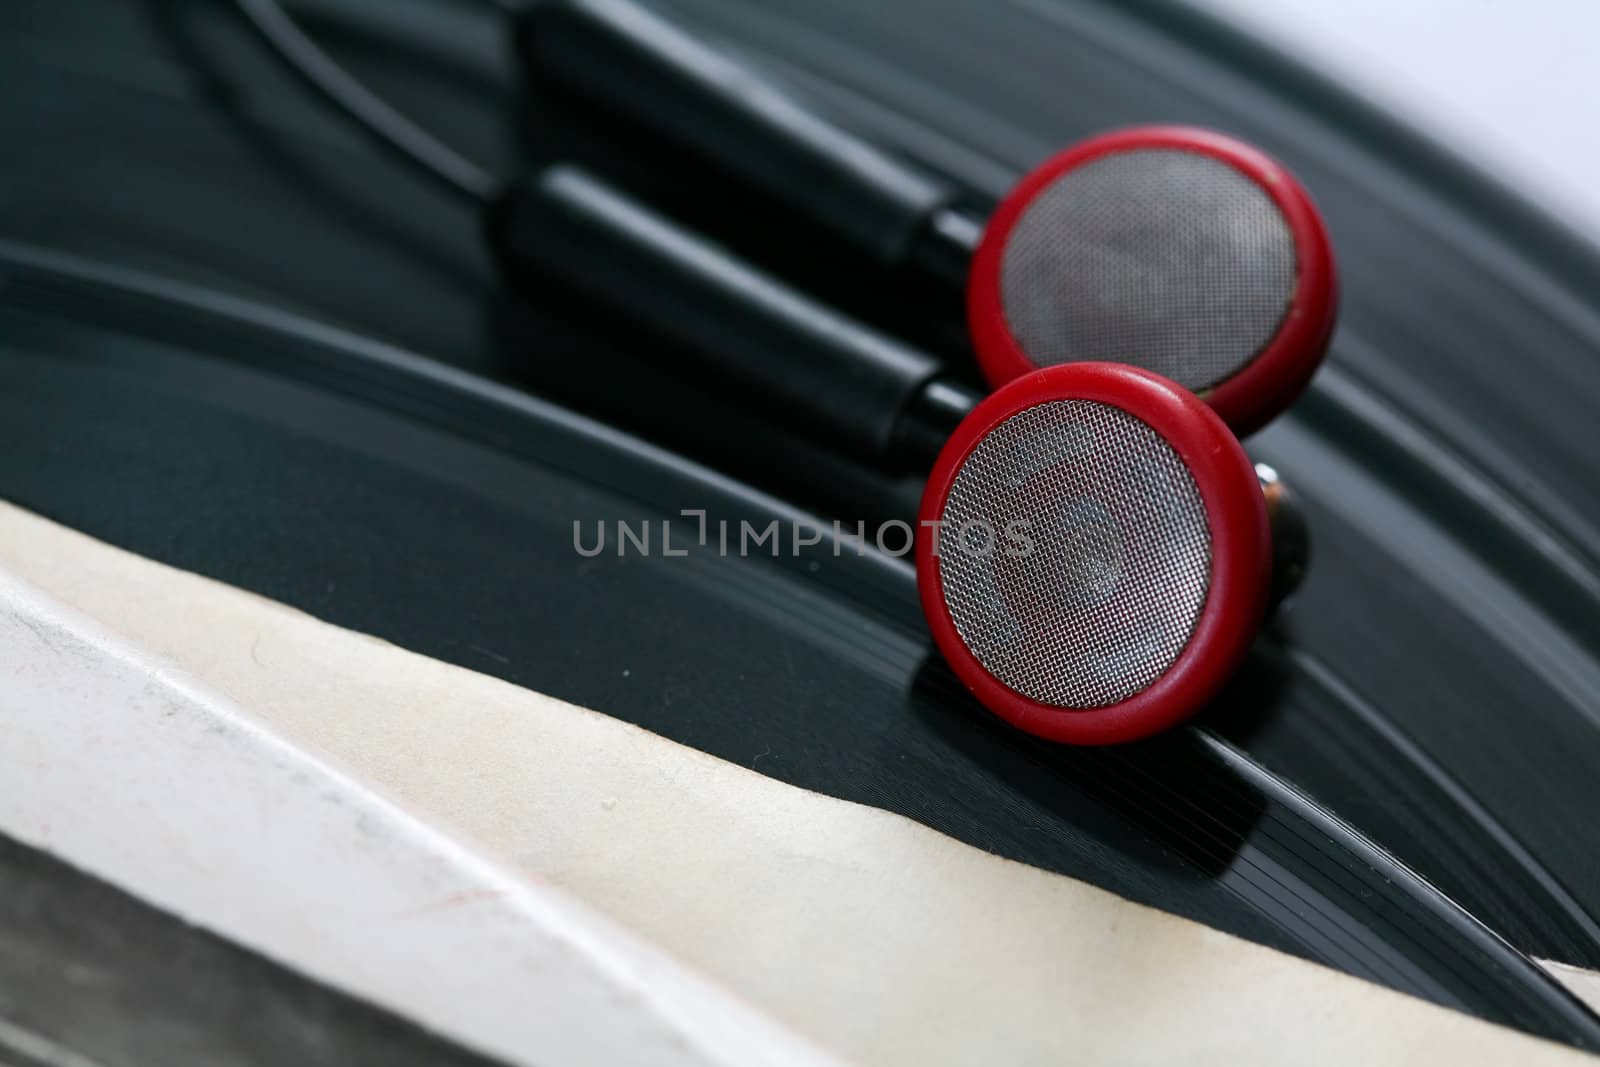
{"type": "Point", "coordinates": [1075, 554]}
{"type": "Point", "coordinates": [1166, 259]}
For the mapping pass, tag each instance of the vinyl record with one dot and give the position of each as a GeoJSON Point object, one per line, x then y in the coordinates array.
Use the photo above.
{"type": "Point", "coordinates": [205, 353]}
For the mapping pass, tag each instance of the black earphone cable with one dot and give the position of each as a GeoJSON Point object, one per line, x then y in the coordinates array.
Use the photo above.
{"type": "Point", "coordinates": [566, 222]}
{"type": "Point", "coordinates": [382, 123]}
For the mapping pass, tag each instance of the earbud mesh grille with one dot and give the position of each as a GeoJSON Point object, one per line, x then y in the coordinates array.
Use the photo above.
{"type": "Point", "coordinates": [1098, 556]}
{"type": "Point", "coordinates": [1166, 259]}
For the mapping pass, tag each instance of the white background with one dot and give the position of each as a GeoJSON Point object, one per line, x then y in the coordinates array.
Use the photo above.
{"type": "Point", "coordinates": [1512, 85]}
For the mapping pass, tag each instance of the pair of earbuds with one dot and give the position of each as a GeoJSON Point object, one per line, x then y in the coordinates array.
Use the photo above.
{"type": "Point", "coordinates": [1096, 550]}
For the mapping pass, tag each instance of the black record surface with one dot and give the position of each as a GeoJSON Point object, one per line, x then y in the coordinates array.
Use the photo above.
{"type": "Point", "coordinates": [1435, 684]}
{"type": "Point", "coordinates": [391, 495]}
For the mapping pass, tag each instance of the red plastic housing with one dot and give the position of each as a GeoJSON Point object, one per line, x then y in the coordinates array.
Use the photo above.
{"type": "Point", "coordinates": [1269, 383]}
{"type": "Point", "coordinates": [1240, 552]}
